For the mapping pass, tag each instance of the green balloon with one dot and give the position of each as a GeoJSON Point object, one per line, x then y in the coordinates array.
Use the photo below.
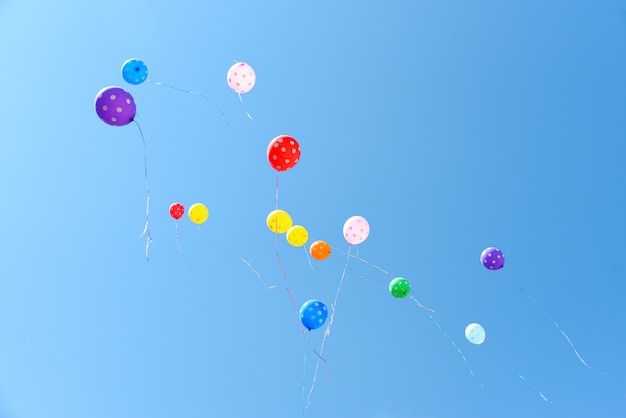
{"type": "Point", "coordinates": [399, 287]}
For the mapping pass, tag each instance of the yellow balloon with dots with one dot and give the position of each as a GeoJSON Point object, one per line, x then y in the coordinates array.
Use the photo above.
{"type": "Point", "coordinates": [297, 235]}
{"type": "Point", "coordinates": [198, 213]}
{"type": "Point", "coordinates": [279, 221]}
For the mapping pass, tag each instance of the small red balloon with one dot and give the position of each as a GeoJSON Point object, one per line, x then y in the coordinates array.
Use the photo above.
{"type": "Point", "coordinates": [283, 153]}
{"type": "Point", "coordinates": [177, 210]}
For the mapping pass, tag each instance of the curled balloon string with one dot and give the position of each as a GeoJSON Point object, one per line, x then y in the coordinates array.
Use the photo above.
{"type": "Point", "coordinates": [243, 260]}
{"type": "Point", "coordinates": [194, 93]}
{"type": "Point", "coordinates": [518, 375]}
{"type": "Point", "coordinates": [180, 250]}
{"type": "Point", "coordinates": [145, 235]}
{"type": "Point", "coordinates": [330, 323]}
{"type": "Point", "coordinates": [556, 324]}
{"type": "Point", "coordinates": [328, 298]}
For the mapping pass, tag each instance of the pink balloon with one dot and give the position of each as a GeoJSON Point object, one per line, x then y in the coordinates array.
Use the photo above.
{"type": "Point", "coordinates": [355, 230]}
{"type": "Point", "coordinates": [241, 77]}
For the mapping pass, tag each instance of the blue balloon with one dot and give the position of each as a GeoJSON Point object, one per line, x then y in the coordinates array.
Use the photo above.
{"type": "Point", "coordinates": [313, 314]}
{"type": "Point", "coordinates": [134, 71]}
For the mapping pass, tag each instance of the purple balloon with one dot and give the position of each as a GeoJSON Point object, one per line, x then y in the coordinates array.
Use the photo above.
{"type": "Point", "coordinates": [492, 258]}
{"type": "Point", "coordinates": [115, 106]}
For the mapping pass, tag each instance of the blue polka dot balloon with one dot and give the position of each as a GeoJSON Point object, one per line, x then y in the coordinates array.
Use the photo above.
{"type": "Point", "coordinates": [134, 71]}
{"type": "Point", "coordinates": [313, 314]}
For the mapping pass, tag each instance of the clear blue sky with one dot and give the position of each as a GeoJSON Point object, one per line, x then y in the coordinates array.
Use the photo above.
{"type": "Point", "coordinates": [450, 126]}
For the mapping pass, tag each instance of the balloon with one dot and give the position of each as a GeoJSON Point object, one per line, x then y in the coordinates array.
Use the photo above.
{"type": "Point", "coordinates": [399, 287]}
{"type": "Point", "coordinates": [283, 153]}
{"type": "Point", "coordinates": [320, 250]}
{"type": "Point", "coordinates": [297, 235]}
{"type": "Point", "coordinates": [313, 314]}
{"type": "Point", "coordinates": [475, 333]}
{"type": "Point", "coordinates": [176, 210]}
{"type": "Point", "coordinates": [115, 106]}
{"type": "Point", "coordinates": [279, 221]}
{"type": "Point", "coordinates": [241, 77]}
{"type": "Point", "coordinates": [492, 258]}
{"type": "Point", "coordinates": [198, 213]}
{"type": "Point", "coordinates": [134, 71]}
{"type": "Point", "coordinates": [356, 229]}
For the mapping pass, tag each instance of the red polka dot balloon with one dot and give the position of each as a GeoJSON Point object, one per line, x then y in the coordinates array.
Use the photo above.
{"type": "Point", "coordinates": [283, 153]}
{"type": "Point", "coordinates": [177, 210]}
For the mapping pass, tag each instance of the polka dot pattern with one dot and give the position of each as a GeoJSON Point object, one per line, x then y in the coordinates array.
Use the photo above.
{"type": "Point", "coordinates": [241, 78]}
{"type": "Point", "coordinates": [177, 210]}
{"type": "Point", "coordinates": [134, 71]}
{"type": "Point", "coordinates": [320, 250]}
{"type": "Point", "coordinates": [279, 221]}
{"type": "Point", "coordinates": [283, 153]}
{"type": "Point", "coordinates": [297, 235]}
{"type": "Point", "coordinates": [115, 106]}
{"type": "Point", "coordinates": [313, 314]}
{"type": "Point", "coordinates": [475, 334]}
{"type": "Point", "coordinates": [356, 230]}
{"type": "Point", "coordinates": [492, 258]}
{"type": "Point", "coordinates": [399, 287]}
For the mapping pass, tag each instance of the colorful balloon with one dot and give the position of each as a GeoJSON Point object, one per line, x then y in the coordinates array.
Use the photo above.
{"type": "Point", "coordinates": [177, 210]}
{"type": "Point", "coordinates": [356, 230]}
{"type": "Point", "coordinates": [134, 71]}
{"type": "Point", "coordinates": [475, 334]}
{"type": "Point", "coordinates": [297, 235]}
{"type": "Point", "coordinates": [399, 287]}
{"type": "Point", "coordinates": [313, 314]}
{"type": "Point", "coordinates": [241, 78]}
{"type": "Point", "coordinates": [492, 258]}
{"type": "Point", "coordinates": [320, 250]}
{"type": "Point", "coordinates": [198, 213]}
{"type": "Point", "coordinates": [279, 221]}
{"type": "Point", "coordinates": [115, 106]}
{"type": "Point", "coordinates": [283, 153]}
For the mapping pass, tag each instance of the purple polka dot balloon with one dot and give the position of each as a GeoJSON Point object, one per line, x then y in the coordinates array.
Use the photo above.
{"type": "Point", "coordinates": [492, 258]}
{"type": "Point", "coordinates": [115, 106]}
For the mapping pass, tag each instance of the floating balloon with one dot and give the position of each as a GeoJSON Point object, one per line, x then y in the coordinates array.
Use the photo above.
{"type": "Point", "coordinates": [279, 221]}
{"type": "Point", "coordinates": [320, 250]}
{"type": "Point", "coordinates": [475, 333]}
{"type": "Point", "coordinates": [313, 314]}
{"type": "Point", "coordinates": [399, 287]}
{"type": "Point", "coordinates": [177, 210]}
{"type": "Point", "coordinates": [198, 213]}
{"type": "Point", "coordinates": [115, 106]}
{"type": "Point", "coordinates": [283, 153]}
{"type": "Point", "coordinates": [134, 71]}
{"type": "Point", "coordinates": [356, 230]}
{"type": "Point", "coordinates": [241, 78]}
{"type": "Point", "coordinates": [297, 235]}
{"type": "Point", "coordinates": [492, 258]}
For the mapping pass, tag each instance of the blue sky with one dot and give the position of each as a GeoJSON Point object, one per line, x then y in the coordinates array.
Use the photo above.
{"type": "Point", "coordinates": [449, 126]}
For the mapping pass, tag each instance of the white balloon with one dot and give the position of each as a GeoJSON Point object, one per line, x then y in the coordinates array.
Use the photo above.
{"type": "Point", "coordinates": [475, 333]}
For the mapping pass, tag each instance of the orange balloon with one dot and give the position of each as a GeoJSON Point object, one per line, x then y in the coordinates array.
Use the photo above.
{"type": "Point", "coordinates": [320, 250]}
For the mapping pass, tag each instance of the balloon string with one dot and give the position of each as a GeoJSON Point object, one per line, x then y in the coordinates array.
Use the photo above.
{"type": "Point", "coordinates": [328, 298]}
{"type": "Point", "coordinates": [145, 235]}
{"type": "Point", "coordinates": [180, 250]}
{"type": "Point", "coordinates": [418, 303]}
{"type": "Point", "coordinates": [306, 338]}
{"type": "Point", "coordinates": [480, 347]}
{"type": "Point", "coordinates": [243, 260]}
{"type": "Point", "coordinates": [277, 196]}
{"type": "Point", "coordinates": [327, 331]}
{"type": "Point", "coordinates": [569, 341]}
{"type": "Point", "coordinates": [195, 94]}
{"type": "Point", "coordinates": [364, 261]}
{"type": "Point", "coordinates": [246, 108]}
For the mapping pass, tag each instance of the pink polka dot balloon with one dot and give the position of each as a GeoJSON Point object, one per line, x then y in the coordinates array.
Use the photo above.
{"type": "Point", "coordinates": [356, 230]}
{"type": "Point", "coordinates": [492, 258]}
{"type": "Point", "coordinates": [115, 106]}
{"type": "Point", "coordinates": [241, 78]}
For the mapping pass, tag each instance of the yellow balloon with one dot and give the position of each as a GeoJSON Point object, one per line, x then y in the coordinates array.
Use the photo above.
{"type": "Point", "coordinates": [279, 221]}
{"type": "Point", "coordinates": [297, 235]}
{"type": "Point", "coordinates": [198, 213]}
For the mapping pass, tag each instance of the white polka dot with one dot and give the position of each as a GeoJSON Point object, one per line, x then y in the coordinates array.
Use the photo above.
{"type": "Point", "coordinates": [128, 100]}
{"type": "Point", "coordinates": [283, 149]}
{"type": "Point", "coordinates": [118, 110]}
{"type": "Point", "coordinates": [105, 107]}
{"type": "Point", "coordinates": [114, 119]}
{"type": "Point", "coordinates": [112, 97]}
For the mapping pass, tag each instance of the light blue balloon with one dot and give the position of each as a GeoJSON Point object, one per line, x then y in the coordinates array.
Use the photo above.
{"type": "Point", "coordinates": [313, 314]}
{"type": "Point", "coordinates": [134, 71]}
